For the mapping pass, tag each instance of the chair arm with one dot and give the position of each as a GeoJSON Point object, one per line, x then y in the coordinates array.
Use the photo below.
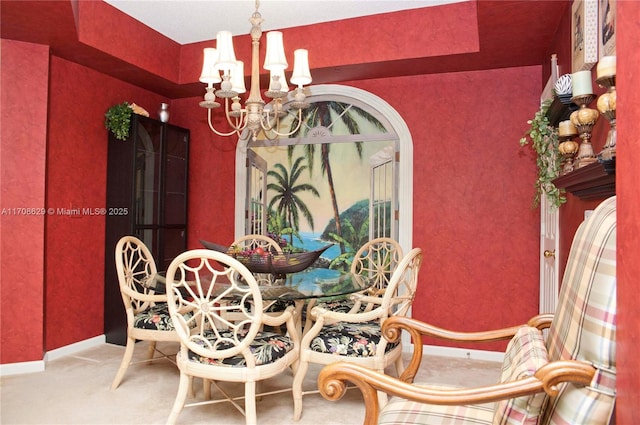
{"type": "Point", "coordinates": [541, 321]}
{"type": "Point", "coordinates": [277, 319]}
{"type": "Point", "coordinates": [392, 327]}
{"type": "Point", "coordinates": [365, 299]}
{"type": "Point", "coordinates": [332, 383]}
{"type": "Point", "coordinates": [330, 316]}
{"type": "Point", "coordinates": [157, 298]}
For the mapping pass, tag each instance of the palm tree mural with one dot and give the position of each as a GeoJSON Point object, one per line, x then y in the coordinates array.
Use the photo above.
{"type": "Point", "coordinates": [287, 200]}
{"type": "Point", "coordinates": [353, 240]}
{"type": "Point", "coordinates": [325, 114]}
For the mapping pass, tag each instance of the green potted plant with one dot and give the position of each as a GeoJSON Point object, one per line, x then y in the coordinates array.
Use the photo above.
{"type": "Point", "coordinates": [118, 120]}
{"type": "Point", "coordinates": [544, 142]}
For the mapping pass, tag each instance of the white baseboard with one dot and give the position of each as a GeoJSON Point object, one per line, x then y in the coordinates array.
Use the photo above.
{"type": "Point", "coordinates": [22, 367]}
{"type": "Point", "coordinates": [458, 353]}
{"type": "Point", "coordinates": [39, 365]}
{"type": "Point", "coordinates": [463, 353]}
{"type": "Point", "coordinates": [74, 348]}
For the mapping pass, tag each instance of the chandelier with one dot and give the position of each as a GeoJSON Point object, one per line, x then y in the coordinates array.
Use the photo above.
{"type": "Point", "coordinates": [254, 116]}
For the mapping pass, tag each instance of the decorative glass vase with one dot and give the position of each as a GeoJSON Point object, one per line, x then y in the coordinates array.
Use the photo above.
{"type": "Point", "coordinates": [163, 112]}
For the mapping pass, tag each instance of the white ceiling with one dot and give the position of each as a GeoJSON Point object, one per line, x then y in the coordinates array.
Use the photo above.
{"type": "Point", "coordinates": [190, 21]}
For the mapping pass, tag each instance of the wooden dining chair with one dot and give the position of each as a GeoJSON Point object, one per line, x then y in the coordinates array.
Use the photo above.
{"type": "Point", "coordinates": [356, 336]}
{"type": "Point", "coordinates": [147, 312]}
{"type": "Point", "coordinates": [217, 308]}
{"type": "Point", "coordinates": [376, 261]}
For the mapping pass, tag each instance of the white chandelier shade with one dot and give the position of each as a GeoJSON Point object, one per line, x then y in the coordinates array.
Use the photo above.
{"type": "Point", "coordinates": [253, 116]}
{"type": "Point", "coordinates": [275, 58]}
{"type": "Point", "coordinates": [210, 74]}
{"type": "Point", "coordinates": [301, 73]}
{"type": "Point", "coordinates": [226, 59]}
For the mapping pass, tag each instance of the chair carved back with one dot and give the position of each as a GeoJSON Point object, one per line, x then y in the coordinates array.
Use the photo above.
{"type": "Point", "coordinates": [377, 259]}
{"type": "Point", "coordinates": [136, 268]}
{"type": "Point", "coordinates": [205, 289]}
{"type": "Point", "coordinates": [401, 291]}
{"type": "Point", "coordinates": [251, 242]}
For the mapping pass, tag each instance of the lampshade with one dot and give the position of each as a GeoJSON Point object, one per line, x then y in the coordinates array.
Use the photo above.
{"type": "Point", "coordinates": [282, 80]}
{"type": "Point", "coordinates": [301, 73]}
{"type": "Point", "coordinates": [253, 114]}
{"type": "Point", "coordinates": [275, 58]}
{"type": "Point", "coordinates": [226, 54]}
{"type": "Point", "coordinates": [237, 78]}
{"type": "Point", "coordinates": [210, 74]}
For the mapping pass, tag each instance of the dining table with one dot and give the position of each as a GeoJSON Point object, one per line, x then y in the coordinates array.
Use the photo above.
{"type": "Point", "coordinates": [296, 288]}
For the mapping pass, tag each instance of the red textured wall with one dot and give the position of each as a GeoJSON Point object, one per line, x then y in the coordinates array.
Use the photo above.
{"type": "Point", "coordinates": [76, 178]}
{"type": "Point", "coordinates": [472, 198]}
{"type": "Point", "coordinates": [339, 43]}
{"type": "Point", "coordinates": [628, 182]}
{"type": "Point", "coordinates": [126, 39]}
{"type": "Point", "coordinates": [23, 157]}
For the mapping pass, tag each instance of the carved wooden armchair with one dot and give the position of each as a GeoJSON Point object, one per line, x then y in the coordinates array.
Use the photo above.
{"type": "Point", "coordinates": [221, 340]}
{"type": "Point", "coordinates": [567, 379]}
{"type": "Point", "coordinates": [147, 312]}
{"type": "Point", "coordinates": [356, 337]}
{"type": "Point", "coordinates": [376, 260]}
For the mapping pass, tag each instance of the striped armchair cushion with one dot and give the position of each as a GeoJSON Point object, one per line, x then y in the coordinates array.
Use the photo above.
{"type": "Point", "coordinates": [525, 354]}
{"type": "Point", "coordinates": [584, 327]}
{"type": "Point", "coordinates": [400, 411]}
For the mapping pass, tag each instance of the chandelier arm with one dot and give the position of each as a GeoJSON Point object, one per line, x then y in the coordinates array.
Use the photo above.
{"type": "Point", "coordinates": [239, 125]}
{"type": "Point", "coordinates": [272, 129]}
{"type": "Point", "coordinates": [268, 137]}
{"type": "Point", "coordinates": [216, 131]}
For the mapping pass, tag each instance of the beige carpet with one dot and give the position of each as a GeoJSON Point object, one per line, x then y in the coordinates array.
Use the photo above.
{"type": "Point", "coordinates": [76, 390]}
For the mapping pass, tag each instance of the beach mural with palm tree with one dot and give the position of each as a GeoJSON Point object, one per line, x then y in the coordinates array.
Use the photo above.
{"type": "Point", "coordinates": [319, 180]}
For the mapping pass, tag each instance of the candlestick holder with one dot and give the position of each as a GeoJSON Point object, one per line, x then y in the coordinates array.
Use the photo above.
{"type": "Point", "coordinates": [568, 148]}
{"type": "Point", "coordinates": [607, 107]}
{"type": "Point", "coordinates": [584, 119]}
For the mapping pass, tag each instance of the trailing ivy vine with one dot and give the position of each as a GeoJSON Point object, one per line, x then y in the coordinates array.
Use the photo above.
{"type": "Point", "coordinates": [544, 142]}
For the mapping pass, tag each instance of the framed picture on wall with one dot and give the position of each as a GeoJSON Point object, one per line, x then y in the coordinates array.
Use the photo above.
{"type": "Point", "coordinates": [584, 34]}
{"type": "Point", "coordinates": [607, 27]}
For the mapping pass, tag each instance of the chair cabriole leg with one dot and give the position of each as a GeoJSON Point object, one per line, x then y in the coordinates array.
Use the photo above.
{"type": "Point", "coordinates": [126, 359]}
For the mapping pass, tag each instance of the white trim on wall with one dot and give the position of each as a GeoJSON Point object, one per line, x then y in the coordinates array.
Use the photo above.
{"type": "Point", "coordinates": [462, 353]}
{"type": "Point", "coordinates": [39, 365]}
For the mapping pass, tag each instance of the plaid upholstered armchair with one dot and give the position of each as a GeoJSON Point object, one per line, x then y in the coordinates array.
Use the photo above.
{"type": "Point", "coordinates": [568, 379]}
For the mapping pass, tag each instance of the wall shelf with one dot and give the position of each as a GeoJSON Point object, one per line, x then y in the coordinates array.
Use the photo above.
{"type": "Point", "coordinates": [593, 181]}
{"type": "Point", "coordinates": [560, 110]}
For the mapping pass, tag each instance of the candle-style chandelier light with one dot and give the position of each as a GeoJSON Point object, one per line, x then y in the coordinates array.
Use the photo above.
{"type": "Point", "coordinates": [255, 115]}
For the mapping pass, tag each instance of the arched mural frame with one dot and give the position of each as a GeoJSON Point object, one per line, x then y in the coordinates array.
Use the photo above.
{"type": "Point", "coordinates": [405, 165]}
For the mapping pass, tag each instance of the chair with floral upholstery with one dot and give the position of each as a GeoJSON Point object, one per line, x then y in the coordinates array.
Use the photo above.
{"type": "Point", "coordinates": [356, 336]}
{"type": "Point", "coordinates": [376, 260]}
{"type": "Point", "coordinates": [568, 379]}
{"type": "Point", "coordinates": [147, 314]}
{"type": "Point", "coordinates": [217, 308]}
